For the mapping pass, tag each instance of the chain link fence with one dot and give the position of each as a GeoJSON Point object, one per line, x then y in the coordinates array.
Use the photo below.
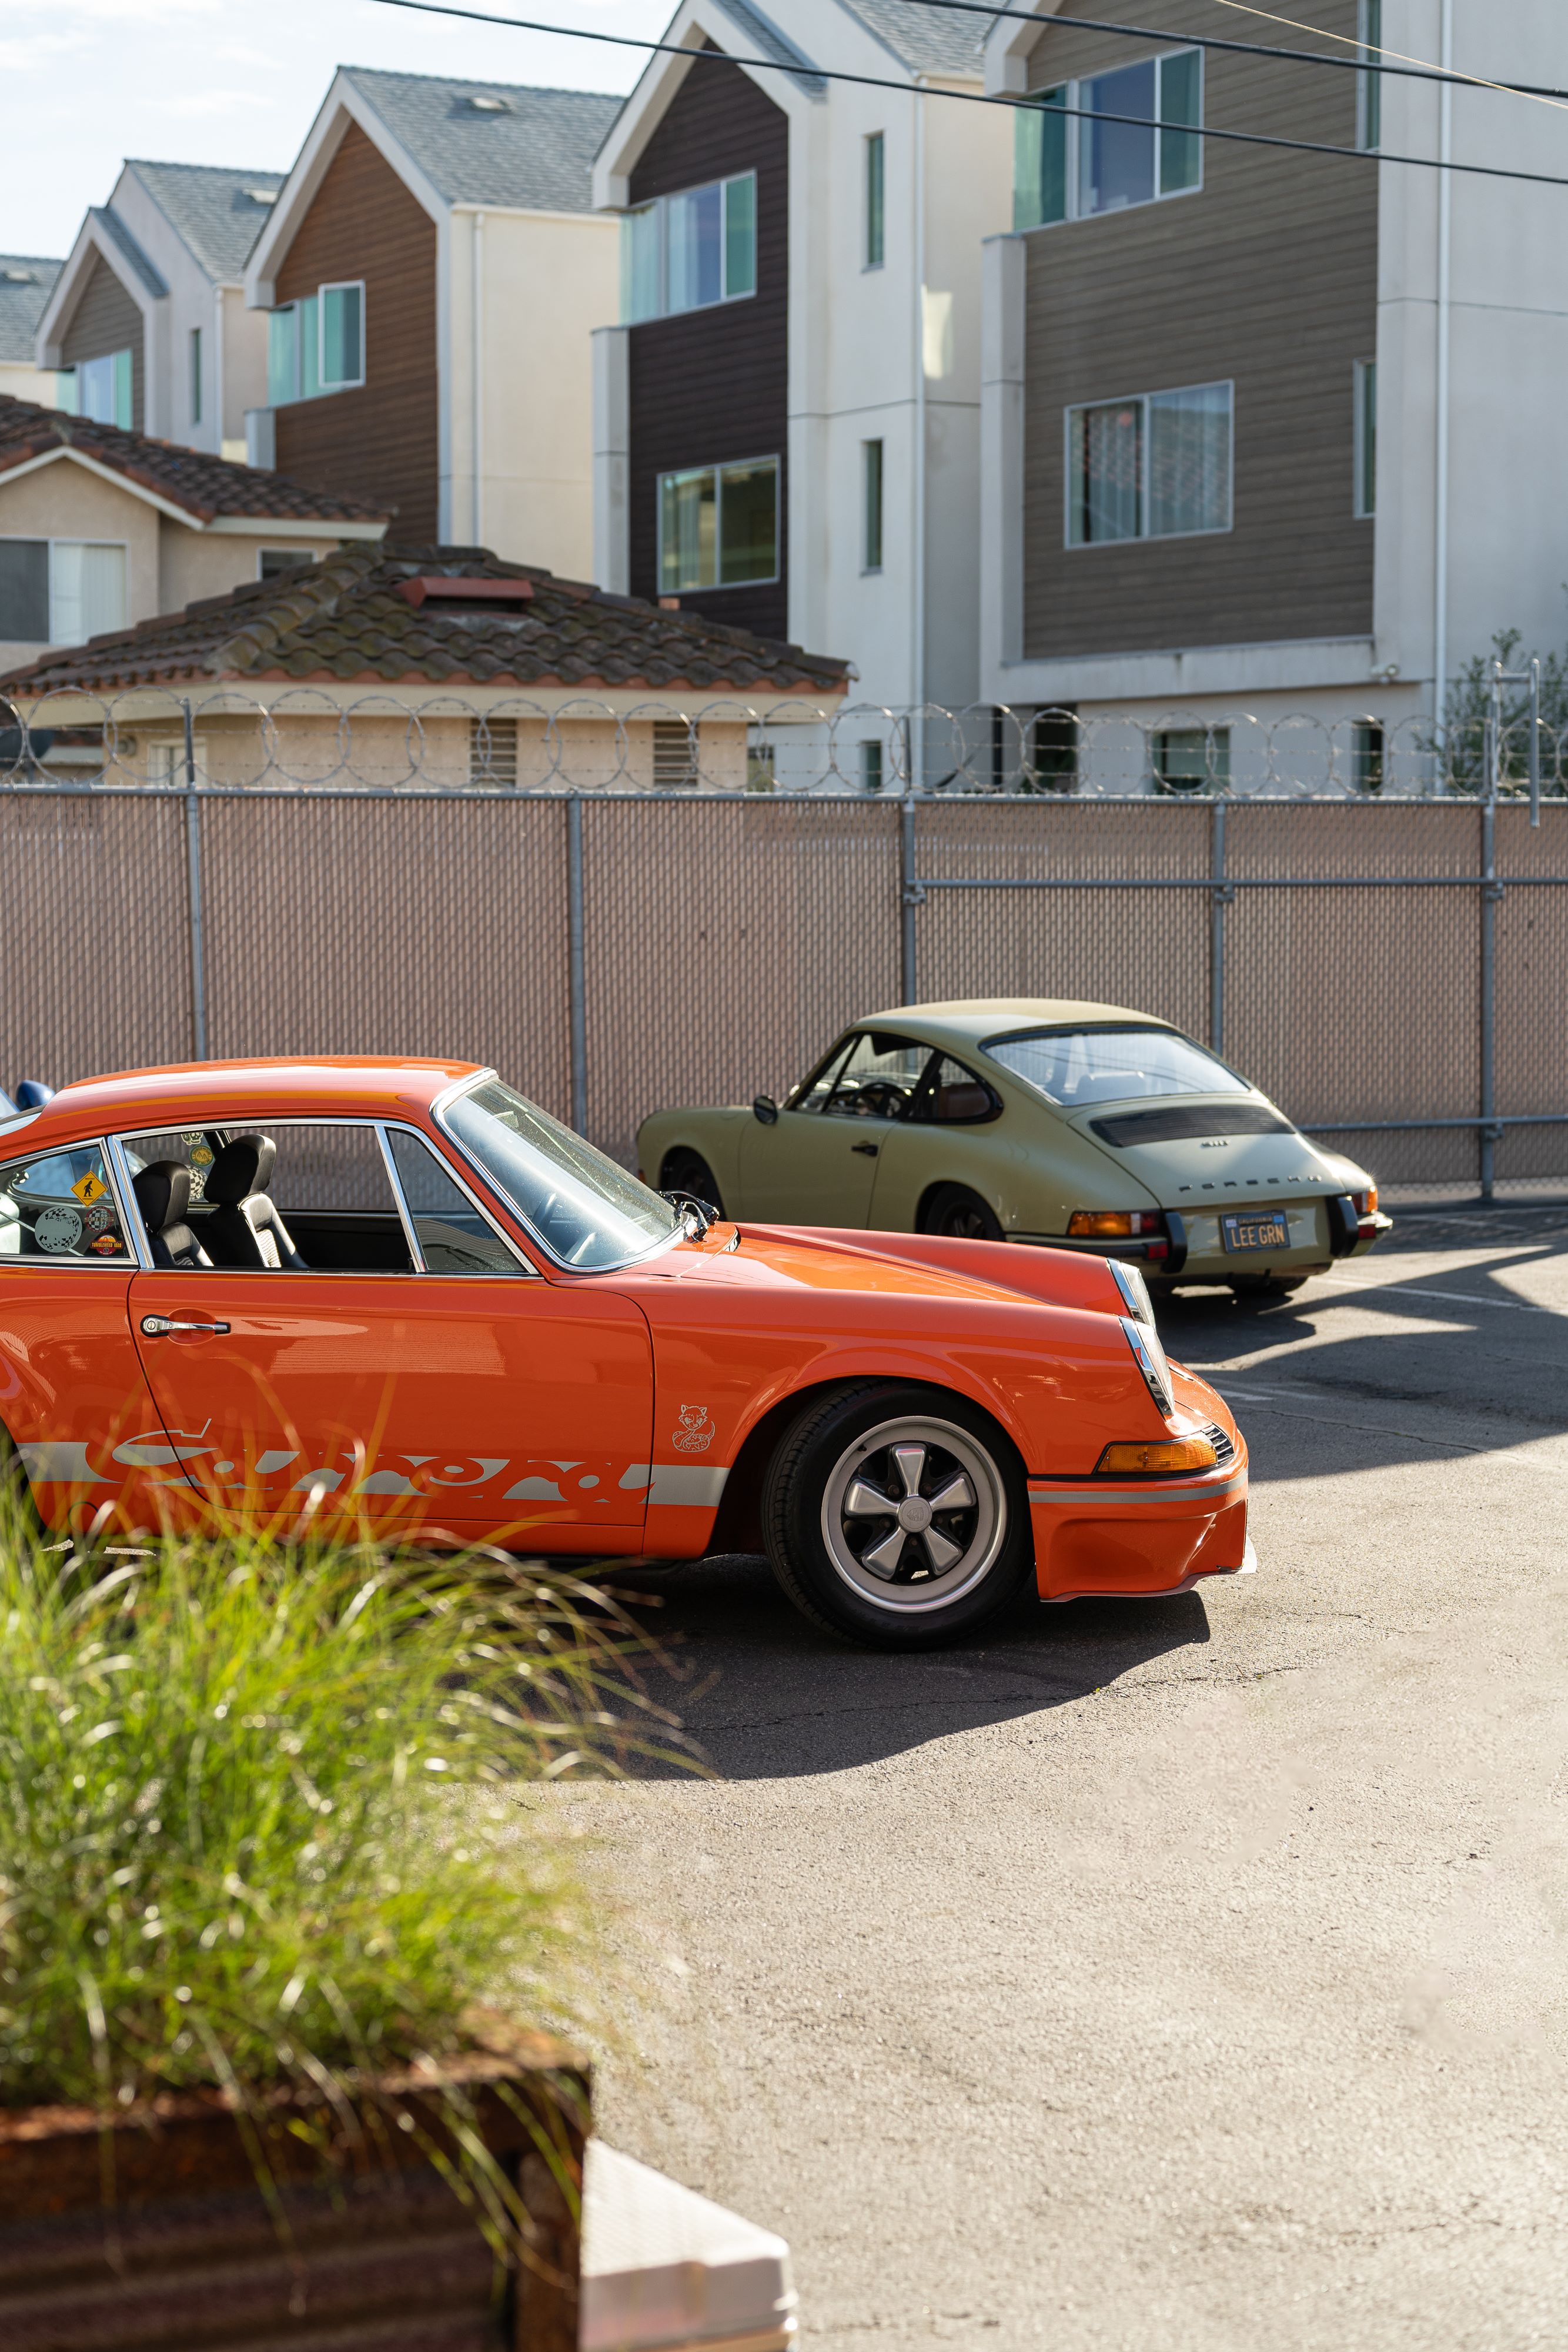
{"type": "Point", "coordinates": [1389, 966]}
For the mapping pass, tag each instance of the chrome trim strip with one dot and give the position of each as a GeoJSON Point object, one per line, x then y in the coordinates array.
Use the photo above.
{"type": "Point", "coordinates": [409, 1234]}
{"type": "Point", "coordinates": [406, 1126]}
{"type": "Point", "coordinates": [125, 1196]}
{"type": "Point", "coordinates": [1087, 1490]}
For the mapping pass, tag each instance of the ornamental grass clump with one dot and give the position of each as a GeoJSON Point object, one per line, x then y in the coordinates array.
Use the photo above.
{"type": "Point", "coordinates": [260, 1811]}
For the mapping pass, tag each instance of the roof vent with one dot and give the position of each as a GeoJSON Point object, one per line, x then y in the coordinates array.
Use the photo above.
{"type": "Point", "coordinates": [14, 277]}
{"type": "Point", "coordinates": [261, 196]}
{"type": "Point", "coordinates": [490, 105]}
{"type": "Point", "coordinates": [466, 600]}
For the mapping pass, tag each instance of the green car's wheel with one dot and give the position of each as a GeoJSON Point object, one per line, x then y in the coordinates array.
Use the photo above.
{"type": "Point", "coordinates": [688, 1171]}
{"type": "Point", "coordinates": [953, 1210]}
{"type": "Point", "coordinates": [897, 1515]}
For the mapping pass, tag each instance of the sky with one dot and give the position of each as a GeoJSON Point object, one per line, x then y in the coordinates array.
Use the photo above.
{"type": "Point", "coordinates": [88, 83]}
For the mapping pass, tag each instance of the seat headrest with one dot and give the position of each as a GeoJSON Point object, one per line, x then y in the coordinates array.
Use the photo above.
{"type": "Point", "coordinates": [163, 1193]}
{"type": "Point", "coordinates": [244, 1166]}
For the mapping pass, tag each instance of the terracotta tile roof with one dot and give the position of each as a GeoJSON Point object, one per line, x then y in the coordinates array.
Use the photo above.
{"type": "Point", "coordinates": [348, 618]}
{"type": "Point", "coordinates": [204, 487]}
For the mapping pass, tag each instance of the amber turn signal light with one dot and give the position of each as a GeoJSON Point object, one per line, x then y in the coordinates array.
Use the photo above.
{"type": "Point", "coordinates": [1113, 1225]}
{"type": "Point", "coordinates": [1162, 1459]}
{"type": "Point", "coordinates": [1365, 1202]}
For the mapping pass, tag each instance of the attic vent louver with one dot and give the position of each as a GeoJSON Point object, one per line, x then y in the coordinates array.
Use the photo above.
{"type": "Point", "coordinates": [20, 276]}
{"type": "Point", "coordinates": [261, 196]}
{"type": "Point", "coordinates": [490, 105]}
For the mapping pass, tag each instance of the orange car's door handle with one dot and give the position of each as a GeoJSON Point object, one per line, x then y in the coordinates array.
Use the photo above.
{"type": "Point", "coordinates": [155, 1326]}
{"type": "Point", "coordinates": [869, 1149]}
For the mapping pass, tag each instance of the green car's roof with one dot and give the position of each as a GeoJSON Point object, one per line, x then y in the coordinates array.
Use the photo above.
{"type": "Point", "coordinates": [966, 1022]}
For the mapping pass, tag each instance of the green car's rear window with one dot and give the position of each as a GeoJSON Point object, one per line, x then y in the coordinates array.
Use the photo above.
{"type": "Point", "coordinates": [1075, 1067]}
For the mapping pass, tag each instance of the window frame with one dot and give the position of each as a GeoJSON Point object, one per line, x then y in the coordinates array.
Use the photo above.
{"type": "Point", "coordinates": [195, 385]}
{"type": "Point", "coordinates": [339, 286]}
{"type": "Point", "coordinates": [873, 202]}
{"type": "Point", "coordinates": [873, 507]}
{"type": "Point", "coordinates": [380, 1127]}
{"type": "Point", "coordinates": [1369, 86]}
{"type": "Point", "coordinates": [1068, 97]}
{"type": "Point", "coordinates": [1144, 536]}
{"type": "Point", "coordinates": [1363, 493]}
{"type": "Point", "coordinates": [40, 539]}
{"type": "Point", "coordinates": [658, 206]}
{"type": "Point", "coordinates": [722, 466]}
{"type": "Point", "coordinates": [133, 1259]}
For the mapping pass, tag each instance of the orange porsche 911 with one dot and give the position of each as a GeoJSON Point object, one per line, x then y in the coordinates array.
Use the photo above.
{"type": "Point", "coordinates": [398, 1293]}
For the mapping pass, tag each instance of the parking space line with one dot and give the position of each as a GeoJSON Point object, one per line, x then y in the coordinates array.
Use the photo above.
{"type": "Point", "coordinates": [1409, 1290]}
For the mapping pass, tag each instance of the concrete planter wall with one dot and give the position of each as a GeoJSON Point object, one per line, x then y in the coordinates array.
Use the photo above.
{"type": "Point", "coordinates": [150, 2234]}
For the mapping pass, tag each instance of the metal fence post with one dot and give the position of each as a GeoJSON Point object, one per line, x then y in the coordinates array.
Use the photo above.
{"type": "Point", "coordinates": [911, 896]}
{"type": "Point", "coordinates": [576, 984]}
{"type": "Point", "coordinates": [194, 895]}
{"type": "Point", "coordinates": [1219, 897]}
{"type": "Point", "coordinates": [1492, 891]}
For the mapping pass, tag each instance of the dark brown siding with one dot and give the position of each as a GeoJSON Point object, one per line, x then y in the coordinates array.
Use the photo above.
{"type": "Point", "coordinates": [714, 384]}
{"type": "Point", "coordinates": [380, 442]}
{"type": "Point", "coordinates": [107, 319]}
{"type": "Point", "coordinates": [1268, 276]}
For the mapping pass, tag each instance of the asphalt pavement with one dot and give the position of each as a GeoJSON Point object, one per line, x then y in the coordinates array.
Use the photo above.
{"type": "Point", "coordinates": [1184, 1974]}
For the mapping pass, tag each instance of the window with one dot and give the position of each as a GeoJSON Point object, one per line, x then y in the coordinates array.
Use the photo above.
{"type": "Point", "coordinates": [1072, 1067]}
{"type": "Point", "coordinates": [1155, 467]}
{"type": "Point", "coordinates": [1071, 160]}
{"type": "Point", "coordinates": [1369, 86]}
{"type": "Point", "coordinates": [60, 592]}
{"type": "Point", "coordinates": [1366, 437]}
{"type": "Point", "coordinates": [688, 251]}
{"type": "Point", "coordinates": [875, 201]}
{"type": "Point", "coordinates": [870, 764]}
{"type": "Point", "coordinates": [61, 1209]}
{"type": "Point", "coordinates": [674, 755]}
{"type": "Point", "coordinates": [1053, 750]}
{"type": "Point", "coordinates": [271, 561]}
{"type": "Point", "coordinates": [343, 336]}
{"type": "Point", "coordinates": [166, 758]}
{"type": "Point", "coordinates": [1366, 755]}
{"type": "Point", "coordinates": [493, 752]}
{"type": "Point", "coordinates": [301, 1196]}
{"type": "Point", "coordinates": [195, 375]}
{"type": "Point", "coordinates": [719, 526]}
{"type": "Point", "coordinates": [316, 344]}
{"type": "Point", "coordinates": [953, 1096]}
{"type": "Point", "coordinates": [1191, 759]}
{"type": "Point", "coordinates": [761, 765]}
{"type": "Point", "coordinates": [102, 389]}
{"type": "Point", "coordinates": [587, 1212]}
{"type": "Point", "coordinates": [878, 1078]}
{"type": "Point", "coordinates": [871, 503]}
{"type": "Point", "coordinates": [453, 1236]}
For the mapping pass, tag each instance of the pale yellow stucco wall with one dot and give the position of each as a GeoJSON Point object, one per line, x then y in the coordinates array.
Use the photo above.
{"type": "Point", "coordinates": [66, 501]}
{"type": "Point", "coordinates": [209, 563]}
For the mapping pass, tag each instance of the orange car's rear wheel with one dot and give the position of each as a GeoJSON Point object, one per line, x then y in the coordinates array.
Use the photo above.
{"type": "Point", "coordinates": [897, 1517]}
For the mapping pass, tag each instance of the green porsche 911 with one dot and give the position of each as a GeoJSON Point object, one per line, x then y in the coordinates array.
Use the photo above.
{"type": "Point", "coordinates": [1032, 1120]}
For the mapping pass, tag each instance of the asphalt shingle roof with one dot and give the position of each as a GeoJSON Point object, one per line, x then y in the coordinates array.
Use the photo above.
{"type": "Point", "coordinates": [345, 618]}
{"type": "Point", "coordinates": [119, 236]}
{"type": "Point", "coordinates": [210, 206]}
{"type": "Point", "coordinates": [26, 285]}
{"type": "Point", "coordinates": [927, 40]}
{"type": "Point", "coordinates": [204, 486]}
{"type": "Point", "coordinates": [763, 39]}
{"type": "Point", "coordinates": [536, 154]}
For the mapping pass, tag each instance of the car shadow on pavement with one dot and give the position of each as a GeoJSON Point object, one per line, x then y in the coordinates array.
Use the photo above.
{"type": "Point", "coordinates": [762, 1694]}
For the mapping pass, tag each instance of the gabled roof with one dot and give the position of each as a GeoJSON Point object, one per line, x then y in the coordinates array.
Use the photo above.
{"type": "Point", "coordinates": [26, 285]}
{"type": "Point", "coordinates": [213, 207]}
{"type": "Point", "coordinates": [533, 152]}
{"type": "Point", "coordinates": [763, 39]}
{"type": "Point", "coordinates": [347, 619]}
{"type": "Point", "coordinates": [202, 486]}
{"type": "Point", "coordinates": [115, 231]}
{"type": "Point", "coordinates": [926, 40]}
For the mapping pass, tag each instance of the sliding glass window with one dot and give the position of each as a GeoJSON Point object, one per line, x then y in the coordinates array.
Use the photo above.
{"type": "Point", "coordinates": [689, 251]}
{"type": "Point", "coordinates": [1154, 466]}
{"type": "Point", "coordinates": [719, 526]}
{"type": "Point", "coordinates": [1103, 145]}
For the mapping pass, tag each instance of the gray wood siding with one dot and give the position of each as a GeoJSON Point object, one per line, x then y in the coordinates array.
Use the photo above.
{"type": "Point", "coordinates": [1266, 276]}
{"type": "Point", "coordinates": [107, 319]}
{"type": "Point", "coordinates": [712, 384]}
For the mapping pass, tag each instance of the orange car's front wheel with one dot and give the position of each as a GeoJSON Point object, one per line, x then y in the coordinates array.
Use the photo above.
{"type": "Point", "coordinates": [897, 1515]}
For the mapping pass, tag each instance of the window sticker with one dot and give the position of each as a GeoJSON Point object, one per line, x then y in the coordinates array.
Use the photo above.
{"type": "Point", "coordinates": [98, 1219]}
{"type": "Point", "coordinates": [107, 1244]}
{"type": "Point", "coordinates": [90, 1188]}
{"type": "Point", "coordinates": [58, 1231]}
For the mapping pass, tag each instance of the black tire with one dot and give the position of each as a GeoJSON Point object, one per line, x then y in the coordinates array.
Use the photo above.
{"type": "Point", "coordinates": [819, 1548]}
{"type": "Point", "coordinates": [953, 1210]}
{"type": "Point", "coordinates": [1264, 1287]}
{"type": "Point", "coordinates": [688, 1171]}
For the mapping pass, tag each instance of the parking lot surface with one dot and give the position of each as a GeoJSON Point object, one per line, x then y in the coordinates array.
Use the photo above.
{"type": "Point", "coordinates": [1187, 1973]}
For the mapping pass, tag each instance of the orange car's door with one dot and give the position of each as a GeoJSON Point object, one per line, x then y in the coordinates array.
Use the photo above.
{"type": "Point", "coordinates": [445, 1384]}
{"type": "Point", "coordinates": [482, 1404]}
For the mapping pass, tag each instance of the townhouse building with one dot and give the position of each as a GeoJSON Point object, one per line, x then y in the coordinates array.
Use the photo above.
{"type": "Point", "coordinates": [787, 413]}
{"type": "Point", "coordinates": [146, 326]}
{"type": "Point", "coordinates": [428, 282]}
{"type": "Point", "coordinates": [1267, 430]}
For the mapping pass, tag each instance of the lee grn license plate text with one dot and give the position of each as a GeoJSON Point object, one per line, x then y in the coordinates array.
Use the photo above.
{"type": "Point", "coordinates": [1271, 1232]}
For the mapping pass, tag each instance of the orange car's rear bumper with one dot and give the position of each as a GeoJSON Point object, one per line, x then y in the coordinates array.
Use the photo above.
{"type": "Point", "coordinates": [1136, 1539]}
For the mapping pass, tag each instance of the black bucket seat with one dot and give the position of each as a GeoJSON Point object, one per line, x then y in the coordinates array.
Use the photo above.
{"type": "Point", "coordinates": [244, 1228]}
{"type": "Point", "coordinates": [162, 1192]}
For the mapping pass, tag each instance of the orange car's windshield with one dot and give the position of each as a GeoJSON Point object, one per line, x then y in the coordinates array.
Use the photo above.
{"type": "Point", "coordinates": [587, 1211]}
{"type": "Point", "coordinates": [1071, 1067]}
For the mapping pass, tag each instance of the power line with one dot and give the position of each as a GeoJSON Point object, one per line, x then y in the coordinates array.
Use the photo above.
{"type": "Point", "coordinates": [805, 71]}
{"type": "Point", "coordinates": [1473, 81]}
{"type": "Point", "coordinates": [1410, 70]}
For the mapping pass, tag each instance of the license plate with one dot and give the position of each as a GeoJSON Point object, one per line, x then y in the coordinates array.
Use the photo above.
{"type": "Point", "coordinates": [1265, 1231]}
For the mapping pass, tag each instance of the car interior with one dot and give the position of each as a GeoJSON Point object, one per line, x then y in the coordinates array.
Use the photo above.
{"type": "Point", "coordinates": [878, 1075]}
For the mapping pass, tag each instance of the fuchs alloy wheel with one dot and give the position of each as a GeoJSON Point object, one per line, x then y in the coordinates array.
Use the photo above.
{"type": "Point", "coordinates": [897, 1517]}
{"type": "Point", "coordinates": [688, 1171]}
{"type": "Point", "coordinates": [953, 1210]}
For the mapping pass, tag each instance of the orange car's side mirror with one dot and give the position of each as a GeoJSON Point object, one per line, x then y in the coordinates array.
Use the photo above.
{"type": "Point", "coordinates": [766, 1109]}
